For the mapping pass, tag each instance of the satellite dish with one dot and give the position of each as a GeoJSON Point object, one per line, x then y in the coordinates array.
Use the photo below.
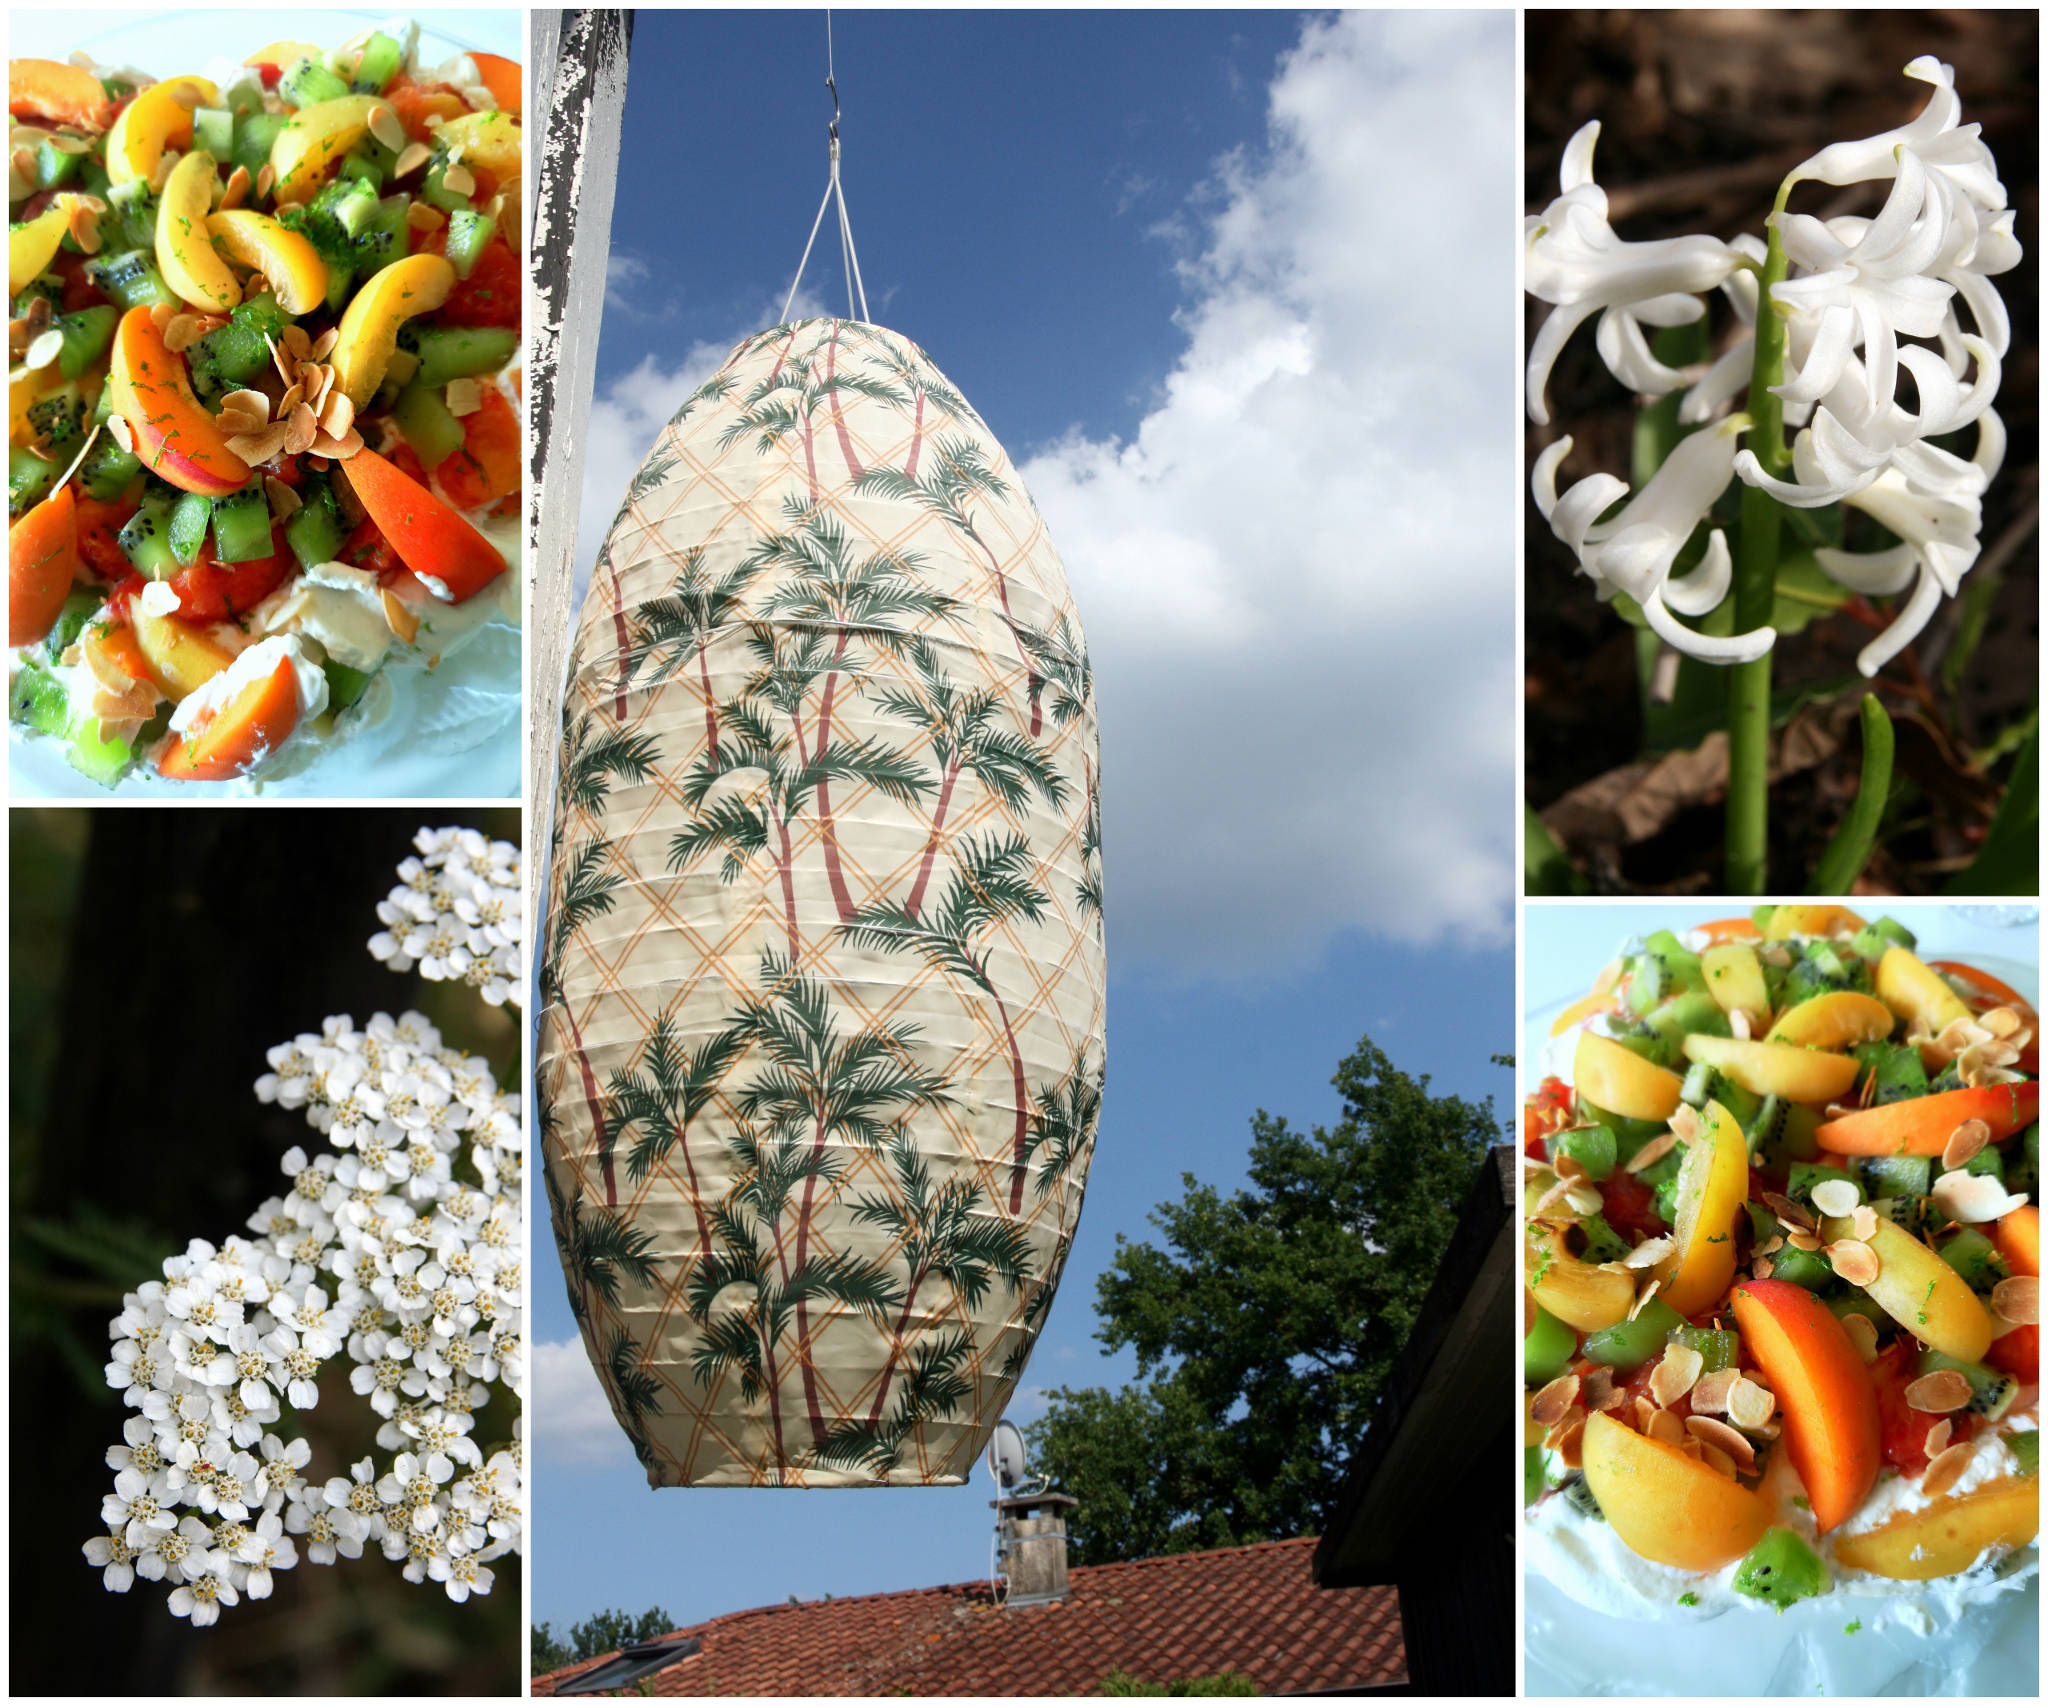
{"type": "Point", "coordinates": [1006, 1454]}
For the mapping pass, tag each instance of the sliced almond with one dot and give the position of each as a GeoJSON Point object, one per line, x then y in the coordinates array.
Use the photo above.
{"type": "Point", "coordinates": [1600, 1392]}
{"type": "Point", "coordinates": [187, 96]}
{"type": "Point", "coordinates": [1654, 1151]}
{"type": "Point", "coordinates": [253, 448]}
{"type": "Point", "coordinates": [384, 126]}
{"type": "Point", "coordinates": [1862, 1333]}
{"type": "Point", "coordinates": [459, 180]}
{"type": "Point", "coordinates": [402, 622]}
{"type": "Point", "coordinates": [1710, 1392]}
{"type": "Point", "coordinates": [410, 159]}
{"type": "Point", "coordinates": [1750, 1406]}
{"type": "Point", "coordinates": [284, 502]}
{"type": "Point", "coordinates": [465, 396]}
{"type": "Point", "coordinates": [237, 189]}
{"type": "Point", "coordinates": [294, 395]}
{"type": "Point", "coordinates": [1855, 1262]}
{"type": "Point", "coordinates": [1763, 1267]}
{"type": "Point", "coordinates": [1646, 1413]}
{"type": "Point", "coordinates": [123, 435]}
{"type": "Point", "coordinates": [1672, 1378]}
{"type": "Point", "coordinates": [1835, 1197]}
{"type": "Point", "coordinates": [106, 672]}
{"type": "Point", "coordinates": [45, 349]}
{"type": "Point", "coordinates": [266, 176]}
{"type": "Point", "coordinates": [1938, 1394]}
{"type": "Point", "coordinates": [1974, 1198]}
{"type": "Point", "coordinates": [1723, 1437]}
{"type": "Point", "coordinates": [337, 415]}
{"type": "Point", "coordinates": [298, 340]}
{"type": "Point", "coordinates": [323, 345]}
{"type": "Point", "coordinates": [423, 216]}
{"type": "Point", "coordinates": [1551, 1403]}
{"type": "Point", "coordinates": [1650, 1291]}
{"type": "Point", "coordinates": [84, 226]}
{"type": "Point", "coordinates": [342, 448]}
{"type": "Point", "coordinates": [1863, 1223]}
{"type": "Point", "coordinates": [2002, 1022]}
{"type": "Point", "coordinates": [1710, 1454]}
{"type": "Point", "coordinates": [303, 426]}
{"type": "Point", "coordinates": [1965, 1142]}
{"type": "Point", "coordinates": [182, 333]}
{"type": "Point", "coordinates": [1570, 1446]}
{"type": "Point", "coordinates": [1570, 1422]}
{"type": "Point", "coordinates": [1695, 1449]}
{"type": "Point", "coordinates": [1938, 1437]}
{"type": "Point", "coordinates": [1738, 1024]}
{"type": "Point", "coordinates": [1649, 1253]}
{"type": "Point", "coordinates": [2018, 1300]}
{"type": "Point", "coordinates": [1803, 1240]}
{"type": "Point", "coordinates": [164, 166]}
{"type": "Point", "coordinates": [1788, 1211]}
{"type": "Point", "coordinates": [1668, 1428]}
{"type": "Point", "coordinates": [1945, 1470]}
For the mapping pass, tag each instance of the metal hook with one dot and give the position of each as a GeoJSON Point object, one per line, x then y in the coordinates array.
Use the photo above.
{"type": "Point", "coordinates": [833, 128]}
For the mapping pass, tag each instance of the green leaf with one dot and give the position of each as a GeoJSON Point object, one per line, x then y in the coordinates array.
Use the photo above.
{"type": "Point", "coordinates": [2009, 862]}
{"type": "Point", "coordinates": [1803, 592]}
{"type": "Point", "coordinates": [1849, 850]}
{"type": "Point", "coordinates": [1545, 867]}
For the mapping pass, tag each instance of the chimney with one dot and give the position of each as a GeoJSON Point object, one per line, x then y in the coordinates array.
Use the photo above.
{"type": "Point", "coordinates": [1032, 1530]}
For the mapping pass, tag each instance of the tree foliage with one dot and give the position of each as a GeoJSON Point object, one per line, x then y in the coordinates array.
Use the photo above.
{"type": "Point", "coordinates": [1265, 1325]}
{"type": "Point", "coordinates": [606, 1632]}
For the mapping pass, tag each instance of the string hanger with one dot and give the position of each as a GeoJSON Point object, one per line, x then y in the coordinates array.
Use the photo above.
{"type": "Point", "coordinates": [856, 290]}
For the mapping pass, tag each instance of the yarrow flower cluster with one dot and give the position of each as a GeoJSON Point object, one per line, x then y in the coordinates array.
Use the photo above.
{"type": "Point", "coordinates": [406, 1251]}
{"type": "Point", "coordinates": [1855, 287]}
{"type": "Point", "coordinates": [456, 913]}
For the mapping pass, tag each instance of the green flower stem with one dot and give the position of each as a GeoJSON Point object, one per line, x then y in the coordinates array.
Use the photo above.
{"type": "Point", "coordinates": [1756, 578]}
{"type": "Point", "coordinates": [1849, 851]}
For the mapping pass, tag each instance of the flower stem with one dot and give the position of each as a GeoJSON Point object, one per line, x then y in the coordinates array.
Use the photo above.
{"type": "Point", "coordinates": [1756, 579]}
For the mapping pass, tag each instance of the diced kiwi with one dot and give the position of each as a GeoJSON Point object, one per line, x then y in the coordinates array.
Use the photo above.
{"type": "Point", "coordinates": [187, 529]}
{"type": "Point", "coordinates": [29, 479]}
{"type": "Point", "coordinates": [131, 208]}
{"type": "Point", "coordinates": [130, 280]}
{"type": "Point", "coordinates": [146, 539]}
{"type": "Point", "coordinates": [1783, 1132]}
{"type": "Point", "coordinates": [79, 608]}
{"type": "Point", "coordinates": [315, 531]}
{"type": "Point", "coordinates": [107, 470]}
{"type": "Point", "coordinates": [1973, 1256]}
{"type": "Point", "coordinates": [1800, 1267]}
{"type": "Point", "coordinates": [57, 420]}
{"type": "Point", "coordinates": [1991, 1391]}
{"type": "Point", "coordinates": [1547, 1348]}
{"type": "Point", "coordinates": [306, 82]}
{"type": "Point", "coordinates": [2025, 1444]}
{"type": "Point", "coordinates": [1592, 1147]}
{"type": "Point", "coordinates": [1719, 1347]}
{"type": "Point", "coordinates": [241, 525]}
{"type": "Point", "coordinates": [1804, 1175]}
{"type": "Point", "coordinates": [1781, 1570]}
{"type": "Point", "coordinates": [1897, 1176]}
{"type": "Point", "coordinates": [1628, 1345]}
{"type": "Point", "coordinates": [86, 335]}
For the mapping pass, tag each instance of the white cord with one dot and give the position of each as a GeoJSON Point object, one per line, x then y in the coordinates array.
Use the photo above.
{"type": "Point", "coordinates": [849, 258]}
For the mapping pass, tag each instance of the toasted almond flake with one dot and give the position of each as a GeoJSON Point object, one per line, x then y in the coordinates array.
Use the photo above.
{"type": "Point", "coordinates": [1710, 1391]}
{"type": "Point", "coordinates": [298, 340]}
{"type": "Point", "coordinates": [459, 180]}
{"type": "Point", "coordinates": [1939, 1393]}
{"type": "Point", "coordinates": [1668, 1428]}
{"type": "Point", "coordinates": [1649, 1253]}
{"type": "Point", "coordinates": [294, 395]}
{"type": "Point", "coordinates": [1570, 1448]}
{"type": "Point", "coordinates": [2002, 1022]}
{"type": "Point", "coordinates": [322, 384]}
{"type": "Point", "coordinates": [236, 190]}
{"type": "Point", "coordinates": [1750, 1406]}
{"type": "Point", "coordinates": [304, 427]}
{"type": "Point", "coordinates": [1974, 1198]}
{"type": "Point", "coordinates": [433, 121]}
{"type": "Point", "coordinates": [410, 159]}
{"type": "Point", "coordinates": [1717, 1459]}
{"type": "Point", "coordinates": [1856, 1262]}
{"type": "Point", "coordinates": [1835, 1196]}
{"type": "Point", "coordinates": [1600, 1392]}
{"type": "Point", "coordinates": [45, 349]}
{"type": "Point", "coordinates": [1693, 1448]}
{"type": "Point", "coordinates": [84, 226]}
{"type": "Point", "coordinates": [253, 448]}
{"type": "Point", "coordinates": [423, 216]}
{"type": "Point", "coordinates": [104, 670]}
{"type": "Point", "coordinates": [21, 173]}
{"type": "Point", "coordinates": [342, 448]}
{"type": "Point", "coordinates": [1646, 1413]}
{"type": "Point", "coordinates": [1762, 1268]}
{"type": "Point", "coordinates": [1574, 1417]}
{"type": "Point", "coordinates": [1568, 1166]}
{"type": "Point", "coordinates": [247, 403]}
{"type": "Point", "coordinates": [466, 396]}
{"type": "Point", "coordinates": [1966, 1141]}
{"type": "Point", "coordinates": [480, 99]}
{"type": "Point", "coordinates": [1775, 954]}
{"type": "Point", "coordinates": [1862, 1333]}
{"type": "Point", "coordinates": [1721, 1435]}
{"type": "Point", "coordinates": [1672, 1378]}
{"type": "Point", "coordinates": [384, 126]}
{"type": "Point", "coordinates": [1553, 1194]}
{"type": "Point", "coordinates": [1938, 1437]}
{"type": "Point", "coordinates": [1532, 1311]}
{"type": "Point", "coordinates": [187, 97]}
{"type": "Point", "coordinates": [1788, 1211]}
{"type": "Point", "coordinates": [1738, 1024]}
{"type": "Point", "coordinates": [284, 502]}
{"type": "Point", "coordinates": [402, 622]}
{"type": "Point", "coordinates": [1771, 1245]}
{"type": "Point", "coordinates": [1650, 1291]}
{"type": "Point", "coordinates": [2018, 1299]}
{"type": "Point", "coordinates": [266, 176]}
{"type": "Point", "coordinates": [162, 314]}
{"type": "Point", "coordinates": [1652, 1152]}
{"type": "Point", "coordinates": [182, 333]}
{"type": "Point", "coordinates": [1686, 1123]}
{"type": "Point", "coordinates": [1552, 1402]}
{"type": "Point", "coordinates": [1945, 1470]}
{"type": "Point", "coordinates": [323, 345]}
{"type": "Point", "coordinates": [1803, 1240]}
{"type": "Point", "coordinates": [319, 464]}
{"type": "Point", "coordinates": [1863, 1223]}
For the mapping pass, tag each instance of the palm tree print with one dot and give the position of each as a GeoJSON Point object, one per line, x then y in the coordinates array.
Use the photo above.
{"type": "Point", "coordinates": [639, 1392]}
{"type": "Point", "coordinates": [673, 628]}
{"type": "Point", "coordinates": [787, 401]}
{"type": "Point", "coordinates": [669, 1088]}
{"type": "Point", "coordinates": [660, 463]}
{"type": "Point", "coordinates": [1063, 1122]}
{"type": "Point", "coordinates": [597, 1248]}
{"type": "Point", "coordinates": [991, 882]}
{"type": "Point", "coordinates": [910, 376]}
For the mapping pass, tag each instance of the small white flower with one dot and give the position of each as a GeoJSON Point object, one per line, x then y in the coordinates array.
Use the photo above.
{"type": "Point", "coordinates": [112, 1554]}
{"type": "Point", "coordinates": [202, 1598]}
{"type": "Point", "coordinates": [1936, 137]}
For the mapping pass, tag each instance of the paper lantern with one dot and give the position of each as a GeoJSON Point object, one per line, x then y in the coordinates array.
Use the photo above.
{"type": "Point", "coordinates": [821, 1052]}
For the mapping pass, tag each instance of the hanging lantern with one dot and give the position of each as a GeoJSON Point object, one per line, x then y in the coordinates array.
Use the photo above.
{"type": "Point", "coordinates": [821, 1053]}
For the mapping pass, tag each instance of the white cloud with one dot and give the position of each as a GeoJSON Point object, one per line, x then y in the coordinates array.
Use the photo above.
{"type": "Point", "coordinates": [622, 271]}
{"type": "Point", "coordinates": [573, 1419]}
{"type": "Point", "coordinates": [1297, 576]}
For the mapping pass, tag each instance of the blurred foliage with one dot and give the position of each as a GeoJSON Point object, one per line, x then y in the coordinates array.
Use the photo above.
{"type": "Point", "coordinates": [606, 1632]}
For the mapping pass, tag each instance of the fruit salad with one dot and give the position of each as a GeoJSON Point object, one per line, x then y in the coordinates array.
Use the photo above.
{"type": "Point", "coordinates": [1782, 1248]}
{"type": "Point", "coordinates": [264, 446]}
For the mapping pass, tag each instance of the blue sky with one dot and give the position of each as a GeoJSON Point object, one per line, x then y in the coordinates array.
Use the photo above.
{"type": "Point", "coordinates": [1235, 292]}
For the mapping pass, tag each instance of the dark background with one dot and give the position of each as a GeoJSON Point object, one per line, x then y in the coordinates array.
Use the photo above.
{"type": "Point", "coordinates": [1702, 114]}
{"type": "Point", "coordinates": [154, 958]}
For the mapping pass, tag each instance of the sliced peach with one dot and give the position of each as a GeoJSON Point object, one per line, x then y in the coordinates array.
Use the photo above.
{"type": "Point", "coordinates": [505, 80]}
{"type": "Point", "coordinates": [1581, 1010]}
{"type": "Point", "coordinates": [239, 735]}
{"type": "Point", "coordinates": [1920, 1291]}
{"type": "Point", "coordinates": [2018, 1237]}
{"type": "Point", "coordinates": [33, 244]}
{"type": "Point", "coordinates": [1828, 920]}
{"type": "Point", "coordinates": [1622, 1081]}
{"type": "Point", "coordinates": [1735, 979]}
{"type": "Point", "coordinates": [1922, 1125]}
{"type": "Point", "coordinates": [1730, 930]}
{"type": "Point", "coordinates": [59, 93]}
{"type": "Point", "coordinates": [1577, 1293]}
{"type": "Point", "coordinates": [448, 556]}
{"type": "Point", "coordinates": [1839, 1019]}
{"type": "Point", "coordinates": [158, 118]}
{"type": "Point", "coordinates": [180, 657]}
{"type": "Point", "coordinates": [369, 327]}
{"type": "Point", "coordinates": [42, 562]}
{"type": "Point", "coordinates": [1915, 991]}
{"type": "Point", "coordinates": [184, 244]}
{"type": "Point", "coordinates": [1713, 1184]}
{"type": "Point", "coordinates": [1776, 1069]}
{"type": "Point", "coordinates": [1664, 1505]}
{"type": "Point", "coordinates": [1949, 1535]}
{"type": "Point", "coordinates": [174, 434]}
{"type": "Point", "coordinates": [286, 53]}
{"type": "Point", "coordinates": [314, 139]}
{"type": "Point", "coordinates": [1830, 1405]}
{"type": "Point", "coordinates": [489, 140]}
{"type": "Point", "coordinates": [290, 265]}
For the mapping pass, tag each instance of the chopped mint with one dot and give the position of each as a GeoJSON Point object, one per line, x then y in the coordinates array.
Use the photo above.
{"type": "Point", "coordinates": [1688, 1599]}
{"type": "Point", "coordinates": [1853, 1628]}
{"type": "Point", "coordinates": [1799, 1499]}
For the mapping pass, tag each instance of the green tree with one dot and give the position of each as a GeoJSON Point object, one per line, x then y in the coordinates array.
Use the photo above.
{"type": "Point", "coordinates": [606, 1632]}
{"type": "Point", "coordinates": [1266, 1325]}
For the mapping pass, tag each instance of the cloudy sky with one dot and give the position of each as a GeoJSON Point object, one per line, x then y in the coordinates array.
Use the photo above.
{"type": "Point", "coordinates": [1236, 292]}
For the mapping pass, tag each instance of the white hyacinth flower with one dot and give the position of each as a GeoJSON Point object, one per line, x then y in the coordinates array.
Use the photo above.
{"type": "Point", "coordinates": [1956, 150]}
{"type": "Point", "coordinates": [1573, 260]}
{"type": "Point", "coordinates": [1634, 552]}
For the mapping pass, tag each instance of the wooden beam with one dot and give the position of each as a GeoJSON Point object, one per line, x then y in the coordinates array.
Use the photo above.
{"type": "Point", "coordinates": [579, 63]}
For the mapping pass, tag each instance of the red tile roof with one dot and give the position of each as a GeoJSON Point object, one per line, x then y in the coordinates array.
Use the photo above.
{"type": "Point", "coordinates": [1251, 1609]}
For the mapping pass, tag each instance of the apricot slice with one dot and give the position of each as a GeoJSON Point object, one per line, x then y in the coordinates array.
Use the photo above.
{"type": "Point", "coordinates": [33, 244]}
{"type": "Point", "coordinates": [1598, 1002]}
{"type": "Point", "coordinates": [2019, 1240]}
{"type": "Point", "coordinates": [60, 93]}
{"type": "Point", "coordinates": [1915, 991]}
{"type": "Point", "coordinates": [1948, 1536]}
{"type": "Point", "coordinates": [1830, 1405]}
{"type": "Point", "coordinates": [1826, 920]}
{"type": "Point", "coordinates": [313, 140]}
{"type": "Point", "coordinates": [1620, 1080]}
{"type": "Point", "coordinates": [448, 556]}
{"type": "Point", "coordinates": [1922, 1125]}
{"type": "Point", "coordinates": [1713, 1184]}
{"type": "Point", "coordinates": [184, 244]}
{"type": "Point", "coordinates": [489, 140]}
{"type": "Point", "coordinates": [1664, 1505]}
{"type": "Point", "coordinates": [174, 435]}
{"type": "Point", "coordinates": [1920, 1291]}
{"type": "Point", "coordinates": [158, 118]}
{"type": "Point", "coordinates": [283, 54]}
{"type": "Point", "coordinates": [42, 562]}
{"type": "Point", "coordinates": [1776, 1069]}
{"type": "Point", "coordinates": [1577, 1293]}
{"type": "Point", "coordinates": [1735, 979]}
{"type": "Point", "coordinates": [240, 734]}
{"type": "Point", "coordinates": [180, 657]}
{"type": "Point", "coordinates": [505, 80]}
{"type": "Point", "coordinates": [1839, 1019]}
{"type": "Point", "coordinates": [290, 265]}
{"type": "Point", "coordinates": [369, 328]}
